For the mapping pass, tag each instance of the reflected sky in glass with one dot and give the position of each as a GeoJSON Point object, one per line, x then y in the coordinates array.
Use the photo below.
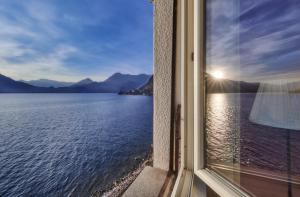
{"type": "Point", "coordinates": [254, 40]}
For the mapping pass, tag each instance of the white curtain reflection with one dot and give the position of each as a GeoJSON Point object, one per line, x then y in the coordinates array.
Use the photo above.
{"type": "Point", "coordinates": [277, 104]}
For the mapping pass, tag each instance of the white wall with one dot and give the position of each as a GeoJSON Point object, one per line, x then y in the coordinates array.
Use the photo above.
{"type": "Point", "coordinates": [163, 37]}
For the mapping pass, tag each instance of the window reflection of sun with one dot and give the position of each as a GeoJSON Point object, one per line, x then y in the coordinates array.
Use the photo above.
{"type": "Point", "coordinates": [217, 74]}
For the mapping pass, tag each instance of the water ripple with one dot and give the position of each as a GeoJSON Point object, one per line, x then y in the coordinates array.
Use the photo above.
{"type": "Point", "coordinates": [70, 144]}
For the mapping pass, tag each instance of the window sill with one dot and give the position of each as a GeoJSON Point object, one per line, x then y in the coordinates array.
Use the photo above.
{"type": "Point", "coordinates": [149, 183]}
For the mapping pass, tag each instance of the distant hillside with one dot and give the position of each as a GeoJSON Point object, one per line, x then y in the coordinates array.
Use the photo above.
{"type": "Point", "coordinates": [83, 82]}
{"type": "Point", "coordinates": [294, 87]}
{"type": "Point", "coordinates": [229, 86]}
{"type": "Point", "coordinates": [296, 91]}
{"type": "Point", "coordinates": [8, 85]}
{"type": "Point", "coordinates": [126, 82]}
{"type": "Point", "coordinates": [114, 84]}
{"type": "Point", "coordinates": [47, 83]}
{"type": "Point", "coordinates": [146, 89]}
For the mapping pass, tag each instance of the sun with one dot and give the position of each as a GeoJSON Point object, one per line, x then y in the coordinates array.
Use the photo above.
{"type": "Point", "coordinates": [218, 74]}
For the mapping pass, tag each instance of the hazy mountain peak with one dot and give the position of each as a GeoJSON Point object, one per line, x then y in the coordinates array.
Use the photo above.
{"type": "Point", "coordinates": [83, 82]}
{"type": "Point", "coordinates": [117, 74]}
{"type": "Point", "coordinates": [124, 82]}
{"type": "Point", "coordinates": [1, 75]}
{"type": "Point", "coordinates": [8, 85]}
{"type": "Point", "coordinates": [47, 83]}
{"type": "Point", "coordinates": [120, 76]}
{"type": "Point", "coordinates": [86, 80]}
{"type": "Point", "coordinates": [114, 76]}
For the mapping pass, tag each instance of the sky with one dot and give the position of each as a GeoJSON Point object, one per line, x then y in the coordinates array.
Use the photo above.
{"type": "Point", "coordinates": [70, 40]}
{"type": "Point", "coordinates": [254, 40]}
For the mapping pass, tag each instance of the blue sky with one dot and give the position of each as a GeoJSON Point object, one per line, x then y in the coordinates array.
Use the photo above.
{"type": "Point", "coordinates": [70, 40]}
{"type": "Point", "coordinates": [254, 40]}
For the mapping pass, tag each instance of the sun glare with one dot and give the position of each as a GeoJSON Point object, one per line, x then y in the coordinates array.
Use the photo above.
{"type": "Point", "coordinates": [218, 74]}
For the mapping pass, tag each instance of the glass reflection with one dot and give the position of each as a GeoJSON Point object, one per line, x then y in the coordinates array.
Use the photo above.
{"type": "Point", "coordinates": [253, 94]}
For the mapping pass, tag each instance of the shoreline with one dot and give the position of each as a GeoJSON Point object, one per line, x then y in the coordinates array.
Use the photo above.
{"type": "Point", "coordinates": [119, 186]}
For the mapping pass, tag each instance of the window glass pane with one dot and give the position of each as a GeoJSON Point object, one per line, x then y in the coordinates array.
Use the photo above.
{"type": "Point", "coordinates": [253, 101]}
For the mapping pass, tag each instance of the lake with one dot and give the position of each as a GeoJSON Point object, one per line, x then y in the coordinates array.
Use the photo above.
{"type": "Point", "coordinates": [235, 141]}
{"type": "Point", "coordinates": [70, 144]}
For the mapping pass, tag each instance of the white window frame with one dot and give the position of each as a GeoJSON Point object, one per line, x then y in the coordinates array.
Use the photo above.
{"type": "Point", "coordinates": [217, 183]}
{"type": "Point", "coordinates": [195, 155]}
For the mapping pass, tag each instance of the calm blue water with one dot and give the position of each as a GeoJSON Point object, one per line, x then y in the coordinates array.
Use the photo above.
{"type": "Point", "coordinates": [70, 144]}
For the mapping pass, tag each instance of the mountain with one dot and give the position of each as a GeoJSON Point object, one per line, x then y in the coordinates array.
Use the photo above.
{"type": "Point", "coordinates": [229, 86]}
{"type": "Point", "coordinates": [48, 83]}
{"type": "Point", "coordinates": [8, 85]}
{"type": "Point", "coordinates": [146, 89]}
{"type": "Point", "coordinates": [114, 84]}
{"type": "Point", "coordinates": [83, 82]}
{"type": "Point", "coordinates": [124, 82]}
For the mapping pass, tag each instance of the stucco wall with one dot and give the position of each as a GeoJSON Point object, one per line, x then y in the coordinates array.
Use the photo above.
{"type": "Point", "coordinates": [163, 27]}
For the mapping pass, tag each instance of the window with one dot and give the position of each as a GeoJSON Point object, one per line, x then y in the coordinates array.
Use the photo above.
{"type": "Point", "coordinates": [252, 100]}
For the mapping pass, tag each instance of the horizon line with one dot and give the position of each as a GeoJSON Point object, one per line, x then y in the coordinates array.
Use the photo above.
{"type": "Point", "coordinates": [73, 81]}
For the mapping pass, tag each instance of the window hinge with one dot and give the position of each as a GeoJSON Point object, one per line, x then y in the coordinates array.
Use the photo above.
{"type": "Point", "coordinates": [192, 56]}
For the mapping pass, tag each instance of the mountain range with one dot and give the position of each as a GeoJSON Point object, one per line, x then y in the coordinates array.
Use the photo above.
{"type": "Point", "coordinates": [125, 84]}
{"type": "Point", "coordinates": [114, 84]}
{"type": "Point", "coordinates": [231, 86]}
{"type": "Point", "coordinates": [46, 83]}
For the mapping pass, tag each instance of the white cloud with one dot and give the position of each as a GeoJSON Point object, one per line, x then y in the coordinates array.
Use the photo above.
{"type": "Point", "coordinates": [11, 49]}
{"type": "Point", "coordinates": [36, 24]}
{"type": "Point", "coordinates": [42, 66]}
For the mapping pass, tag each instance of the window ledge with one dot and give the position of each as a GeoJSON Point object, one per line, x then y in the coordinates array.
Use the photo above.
{"type": "Point", "coordinates": [149, 183]}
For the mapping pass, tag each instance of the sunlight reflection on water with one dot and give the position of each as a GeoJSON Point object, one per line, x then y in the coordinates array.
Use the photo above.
{"type": "Point", "coordinates": [232, 139]}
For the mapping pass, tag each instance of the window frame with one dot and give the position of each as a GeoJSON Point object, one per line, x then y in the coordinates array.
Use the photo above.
{"type": "Point", "coordinates": [213, 180]}
{"type": "Point", "coordinates": [192, 136]}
